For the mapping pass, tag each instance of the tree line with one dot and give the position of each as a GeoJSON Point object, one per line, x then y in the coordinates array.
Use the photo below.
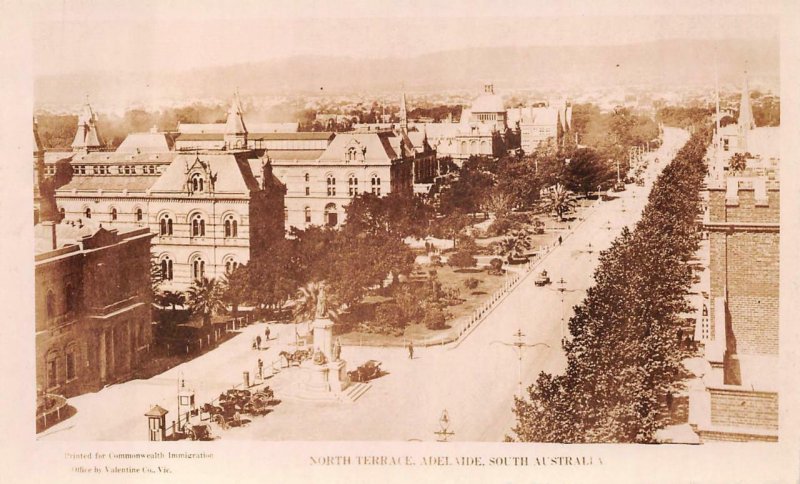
{"type": "Point", "coordinates": [624, 358]}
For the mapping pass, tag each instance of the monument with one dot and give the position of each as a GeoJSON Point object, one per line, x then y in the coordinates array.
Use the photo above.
{"type": "Point", "coordinates": [325, 374]}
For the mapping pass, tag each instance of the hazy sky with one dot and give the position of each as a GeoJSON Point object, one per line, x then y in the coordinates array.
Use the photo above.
{"type": "Point", "coordinates": [81, 35]}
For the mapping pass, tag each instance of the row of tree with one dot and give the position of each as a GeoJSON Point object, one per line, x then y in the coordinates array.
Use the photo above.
{"type": "Point", "coordinates": [625, 355]}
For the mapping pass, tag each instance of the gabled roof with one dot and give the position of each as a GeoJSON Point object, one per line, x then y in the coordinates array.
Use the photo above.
{"type": "Point", "coordinates": [273, 128]}
{"type": "Point", "coordinates": [109, 183]}
{"type": "Point", "coordinates": [150, 142]}
{"type": "Point", "coordinates": [87, 136]}
{"type": "Point", "coordinates": [488, 103]}
{"type": "Point", "coordinates": [376, 147]}
{"type": "Point", "coordinates": [233, 174]}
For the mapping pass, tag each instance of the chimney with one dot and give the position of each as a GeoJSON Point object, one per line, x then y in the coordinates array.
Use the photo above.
{"type": "Point", "coordinates": [52, 229]}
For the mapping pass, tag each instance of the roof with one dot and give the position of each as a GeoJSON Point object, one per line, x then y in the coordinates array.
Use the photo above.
{"type": "Point", "coordinates": [488, 103]}
{"type": "Point", "coordinates": [375, 147]}
{"type": "Point", "coordinates": [66, 234]}
{"type": "Point", "coordinates": [186, 128]}
{"type": "Point", "coordinates": [156, 411]}
{"type": "Point", "coordinates": [200, 136]}
{"type": "Point", "coordinates": [304, 155]}
{"type": "Point", "coordinates": [541, 116]}
{"type": "Point", "coordinates": [116, 157]}
{"type": "Point", "coordinates": [55, 156]}
{"type": "Point", "coordinates": [417, 139]}
{"type": "Point", "coordinates": [235, 123]}
{"type": "Point", "coordinates": [233, 173]}
{"type": "Point", "coordinates": [300, 135]}
{"type": "Point", "coordinates": [273, 128]}
{"type": "Point", "coordinates": [150, 142]}
{"type": "Point", "coordinates": [111, 183]}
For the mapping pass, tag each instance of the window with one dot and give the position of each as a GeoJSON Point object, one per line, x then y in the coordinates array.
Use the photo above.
{"type": "Point", "coordinates": [52, 370]}
{"type": "Point", "coordinates": [306, 177]}
{"type": "Point", "coordinates": [331, 186]}
{"type": "Point", "coordinates": [351, 154]}
{"type": "Point", "coordinates": [198, 268]}
{"type": "Point", "coordinates": [308, 191]}
{"type": "Point", "coordinates": [198, 226]}
{"type": "Point", "coordinates": [50, 304]}
{"type": "Point", "coordinates": [307, 214]}
{"type": "Point", "coordinates": [165, 225]}
{"type": "Point", "coordinates": [726, 144]}
{"type": "Point", "coordinates": [231, 226]}
{"type": "Point", "coordinates": [138, 214]}
{"type": "Point", "coordinates": [166, 269]}
{"type": "Point", "coordinates": [70, 298]}
{"type": "Point", "coordinates": [285, 215]}
{"type": "Point", "coordinates": [62, 212]}
{"type": "Point", "coordinates": [331, 217]}
{"type": "Point", "coordinates": [87, 213]}
{"type": "Point", "coordinates": [352, 183]}
{"type": "Point", "coordinates": [230, 265]}
{"type": "Point", "coordinates": [70, 362]}
{"type": "Point", "coordinates": [376, 185]}
{"type": "Point", "coordinates": [196, 183]}
{"type": "Point", "coordinates": [113, 214]}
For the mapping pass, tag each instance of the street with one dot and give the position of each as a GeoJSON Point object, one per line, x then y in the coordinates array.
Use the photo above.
{"type": "Point", "coordinates": [474, 379]}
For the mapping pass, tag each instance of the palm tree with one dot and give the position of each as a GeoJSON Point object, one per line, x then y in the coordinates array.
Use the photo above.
{"type": "Point", "coordinates": [205, 297]}
{"type": "Point", "coordinates": [308, 297]}
{"type": "Point", "coordinates": [560, 201]}
{"type": "Point", "coordinates": [171, 298]}
{"type": "Point", "coordinates": [234, 286]}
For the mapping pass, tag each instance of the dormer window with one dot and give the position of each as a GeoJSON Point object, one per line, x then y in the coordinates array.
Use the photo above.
{"type": "Point", "coordinates": [196, 183]}
{"type": "Point", "coordinates": [351, 154]}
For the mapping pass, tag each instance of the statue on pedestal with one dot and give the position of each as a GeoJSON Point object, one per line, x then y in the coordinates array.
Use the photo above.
{"type": "Point", "coordinates": [322, 308]}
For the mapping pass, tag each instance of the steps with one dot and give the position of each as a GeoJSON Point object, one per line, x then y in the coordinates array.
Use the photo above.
{"type": "Point", "coordinates": [354, 392]}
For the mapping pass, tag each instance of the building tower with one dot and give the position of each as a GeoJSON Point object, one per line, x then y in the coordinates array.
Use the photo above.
{"type": "Point", "coordinates": [403, 114]}
{"type": "Point", "coordinates": [235, 131]}
{"type": "Point", "coordinates": [87, 138]}
{"type": "Point", "coordinates": [746, 121]}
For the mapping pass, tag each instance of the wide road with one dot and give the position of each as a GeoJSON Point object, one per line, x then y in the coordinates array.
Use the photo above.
{"type": "Point", "coordinates": [474, 380]}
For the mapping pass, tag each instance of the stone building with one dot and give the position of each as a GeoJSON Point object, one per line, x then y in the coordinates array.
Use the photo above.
{"type": "Point", "coordinates": [212, 210]}
{"type": "Point", "coordinates": [320, 185]}
{"type": "Point", "coordinates": [538, 126]}
{"type": "Point", "coordinates": [92, 305]}
{"type": "Point", "coordinates": [738, 397]}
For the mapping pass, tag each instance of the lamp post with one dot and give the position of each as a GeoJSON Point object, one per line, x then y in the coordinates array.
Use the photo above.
{"type": "Point", "coordinates": [562, 288]}
{"type": "Point", "coordinates": [444, 431]}
{"type": "Point", "coordinates": [520, 344]}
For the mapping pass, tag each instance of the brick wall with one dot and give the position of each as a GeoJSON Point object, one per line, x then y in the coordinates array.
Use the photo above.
{"type": "Point", "coordinates": [746, 409]}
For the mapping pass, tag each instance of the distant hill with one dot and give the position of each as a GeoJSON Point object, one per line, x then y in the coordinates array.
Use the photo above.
{"type": "Point", "coordinates": [668, 62]}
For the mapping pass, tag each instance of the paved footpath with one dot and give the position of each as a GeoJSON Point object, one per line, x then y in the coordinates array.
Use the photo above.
{"type": "Point", "coordinates": [474, 380]}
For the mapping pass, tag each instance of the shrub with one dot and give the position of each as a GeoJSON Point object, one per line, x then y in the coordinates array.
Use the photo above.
{"type": "Point", "coordinates": [436, 260]}
{"type": "Point", "coordinates": [435, 318]}
{"type": "Point", "coordinates": [471, 283]}
{"type": "Point", "coordinates": [463, 259]}
{"type": "Point", "coordinates": [496, 267]}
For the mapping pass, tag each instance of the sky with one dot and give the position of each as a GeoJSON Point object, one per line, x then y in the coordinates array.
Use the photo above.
{"type": "Point", "coordinates": [175, 35]}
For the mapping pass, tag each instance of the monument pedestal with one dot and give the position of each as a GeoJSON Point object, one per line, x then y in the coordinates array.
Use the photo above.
{"type": "Point", "coordinates": [328, 380]}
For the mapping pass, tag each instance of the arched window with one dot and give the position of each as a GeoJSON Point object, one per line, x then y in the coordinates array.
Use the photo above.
{"type": "Point", "coordinates": [50, 303]}
{"type": "Point", "coordinates": [230, 264]}
{"type": "Point", "coordinates": [87, 213]}
{"type": "Point", "coordinates": [166, 268]}
{"type": "Point", "coordinates": [51, 364]}
{"type": "Point", "coordinates": [70, 362]}
{"type": "Point", "coordinates": [70, 297]}
{"type": "Point", "coordinates": [198, 268]}
{"type": "Point", "coordinates": [165, 225]}
{"type": "Point", "coordinates": [331, 217]}
{"type": "Point", "coordinates": [231, 226]}
{"type": "Point", "coordinates": [331, 182]}
{"type": "Point", "coordinates": [198, 225]}
{"type": "Point", "coordinates": [307, 178]}
{"type": "Point", "coordinates": [376, 185]}
{"type": "Point", "coordinates": [307, 214]}
{"type": "Point", "coordinates": [351, 154]}
{"type": "Point", "coordinates": [352, 184]}
{"type": "Point", "coordinates": [113, 214]}
{"type": "Point", "coordinates": [139, 215]}
{"type": "Point", "coordinates": [196, 183]}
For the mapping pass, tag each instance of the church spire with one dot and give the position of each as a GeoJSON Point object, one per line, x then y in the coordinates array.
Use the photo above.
{"type": "Point", "coordinates": [403, 114]}
{"type": "Point", "coordinates": [235, 130]}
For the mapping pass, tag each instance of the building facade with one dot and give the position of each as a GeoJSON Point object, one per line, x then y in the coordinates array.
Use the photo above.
{"type": "Point", "coordinates": [92, 306]}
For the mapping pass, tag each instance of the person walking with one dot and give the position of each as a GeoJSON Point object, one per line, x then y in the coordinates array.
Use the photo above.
{"type": "Point", "coordinates": [410, 350]}
{"type": "Point", "coordinates": [260, 368]}
{"type": "Point", "coordinates": [266, 333]}
{"type": "Point", "coordinates": [559, 240]}
{"type": "Point", "coordinates": [258, 341]}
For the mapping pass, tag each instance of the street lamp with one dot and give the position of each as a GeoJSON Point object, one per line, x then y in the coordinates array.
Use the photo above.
{"type": "Point", "coordinates": [562, 288]}
{"type": "Point", "coordinates": [520, 344]}
{"type": "Point", "coordinates": [444, 431]}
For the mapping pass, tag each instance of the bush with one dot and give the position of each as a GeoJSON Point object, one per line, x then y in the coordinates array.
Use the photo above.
{"type": "Point", "coordinates": [463, 259]}
{"type": "Point", "coordinates": [496, 267]}
{"type": "Point", "coordinates": [436, 260]}
{"type": "Point", "coordinates": [390, 315]}
{"type": "Point", "coordinates": [471, 283]}
{"type": "Point", "coordinates": [435, 318]}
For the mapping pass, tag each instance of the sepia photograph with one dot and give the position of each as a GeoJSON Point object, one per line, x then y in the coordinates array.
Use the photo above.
{"type": "Point", "coordinates": [436, 226]}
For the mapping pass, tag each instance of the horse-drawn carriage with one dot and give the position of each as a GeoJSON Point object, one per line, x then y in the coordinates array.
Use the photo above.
{"type": "Point", "coordinates": [296, 357]}
{"type": "Point", "coordinates": [542, 279]}
{"type": "Point", "coordinates": [366, 372]}
{"type": "Point", "coordinates": [234, 403]}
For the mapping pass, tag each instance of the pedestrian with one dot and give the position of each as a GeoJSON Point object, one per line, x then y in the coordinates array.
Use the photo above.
{"type": "Point", "coordinates": [266, 333]}
{"type": "Point", "coordinates": [254, 345]}
{"type": "Point", "coordinates": [258, 341]}
{"type": "Point", "coordinates": [260, 368]}
{"type": "Point", "coordinates": [559, 240]}
{"type": "Point", "coordinates": [410, 350]}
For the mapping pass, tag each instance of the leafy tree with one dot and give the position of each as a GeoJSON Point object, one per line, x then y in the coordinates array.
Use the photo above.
{"type": "Point", "coordinates": [518, 181]}
{"type": "Point", "coordinates": [270, 281]}
{"type": "Point", "coordinates": [235, 286]}
{"type": "Point", "coordinates": [738, 162]}
{"type": "Point", "coordinates": [172, 299]}
{"type": "Point", "coordinates": [465, 255]}
{"type": "Point", "coordinates": [205, 298]}
{"type": "Point", "coordinates": [586, 171]}
{"type": "Point", "coordinates": [450, 225]}
{"type": "Point", "coordinates": [560, 201]}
